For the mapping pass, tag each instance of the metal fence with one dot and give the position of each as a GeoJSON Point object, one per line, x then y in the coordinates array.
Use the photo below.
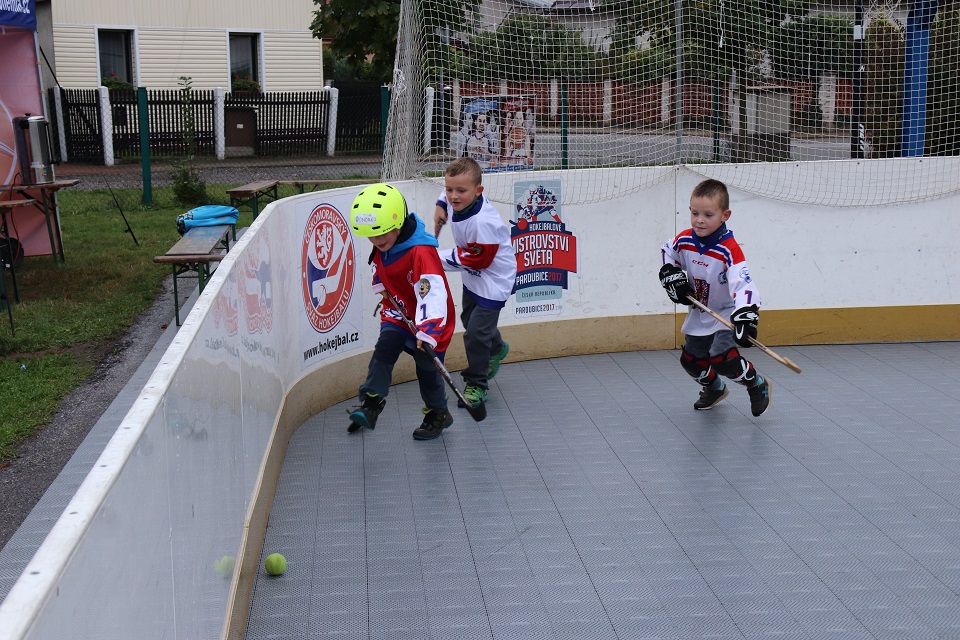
{"type": "Point", "coordinates": [167, 113]}
{"type": "Point", "coordinates": [292, 123]}
{"type": "Point", "coordinates": [282, 123]}
{"type": "Point", "coordinates": [80, 120]}
{"type": "Point", "coordinates": [360, 117]}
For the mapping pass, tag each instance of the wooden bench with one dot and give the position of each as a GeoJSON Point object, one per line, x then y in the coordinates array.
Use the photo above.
{"type": "Point", "coordinates": [249, 195]}
{"type": "Point", "coordinates": [194, 253]}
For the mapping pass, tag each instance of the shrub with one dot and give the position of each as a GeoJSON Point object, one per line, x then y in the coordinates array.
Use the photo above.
{"type": "Point", "coordinates": [243, 84]}
{"type": "Point", "coordinates": [113, 82]}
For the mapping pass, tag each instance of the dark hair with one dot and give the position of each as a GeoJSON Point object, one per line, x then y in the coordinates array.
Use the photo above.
{"type": "Point", "coordinates": [711, 188]}
{"type": "Point", "coordinates": [468, 166]}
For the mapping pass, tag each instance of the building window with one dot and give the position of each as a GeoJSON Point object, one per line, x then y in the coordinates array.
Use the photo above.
{"type": "Point", "coordinates": [116, 61]}
{"type": "Point", "coordinates": [245, 56]}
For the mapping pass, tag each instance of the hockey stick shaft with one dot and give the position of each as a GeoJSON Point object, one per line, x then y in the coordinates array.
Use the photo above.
{"type": "Point", "coordinates": [478, 412]}
{"type": "Point", "coordinates": [787, 362]}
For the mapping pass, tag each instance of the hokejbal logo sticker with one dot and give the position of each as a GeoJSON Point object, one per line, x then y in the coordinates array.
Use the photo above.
{"type": "Point", "coordinates": [546, 250]}
{"type": "Point", "coordinates": [328, 267]}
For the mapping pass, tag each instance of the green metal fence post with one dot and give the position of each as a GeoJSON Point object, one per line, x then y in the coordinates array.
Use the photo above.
{"type": "Point", "coordinates": [564, 128]}
{"type": "Point", "coordinates": [144, 121]}
{"type": "Point", "coordinates": [384, 113]}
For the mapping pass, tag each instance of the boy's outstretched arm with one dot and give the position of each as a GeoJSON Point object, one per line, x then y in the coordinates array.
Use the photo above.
{"type": "Point", "coordinates": [439, 219]}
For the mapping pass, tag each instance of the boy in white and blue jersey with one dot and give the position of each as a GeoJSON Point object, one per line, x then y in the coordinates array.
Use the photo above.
{"type": "Point", "coordinates": [484, 257]}
{"type": "Point", "coordinates": [705, 263]}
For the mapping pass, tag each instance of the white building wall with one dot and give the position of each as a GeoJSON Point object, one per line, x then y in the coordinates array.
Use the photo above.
{"type": "Point", "coordinates": [237, 15]}
{"type": "Point", "coordinates": [76, 51]}
{"type": "Point", "coordinates": [292, 62]}
{"type": "Point", "coordinates": [166, 54]}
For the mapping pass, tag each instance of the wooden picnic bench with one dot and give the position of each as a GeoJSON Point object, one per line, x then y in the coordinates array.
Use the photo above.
{"type": "Point", "coordinates": [194, 253]}
{"type": "Point", "coordinates": [249, 195]}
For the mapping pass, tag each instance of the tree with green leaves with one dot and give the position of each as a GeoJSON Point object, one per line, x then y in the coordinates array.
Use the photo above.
{"type": "Point", "coordinates": [360, 30]}
{"type": "Point", "coordinates": [943, 98]}
{"type": "Point", "coordinates": [885, 61]}
{"type": "Point", "coordinates": [526, 48]}
{"type": "Point", "coordinates": [363, 33]}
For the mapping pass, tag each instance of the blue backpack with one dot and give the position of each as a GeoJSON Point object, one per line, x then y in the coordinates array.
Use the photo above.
{"type": "Point", "coordinates": [208, 215]}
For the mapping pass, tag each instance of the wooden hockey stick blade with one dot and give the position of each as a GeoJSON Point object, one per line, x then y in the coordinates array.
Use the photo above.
{"type": "Point", "coordinates": [477, 411]}
{"type": "Point", "coordinates": [787, 362]}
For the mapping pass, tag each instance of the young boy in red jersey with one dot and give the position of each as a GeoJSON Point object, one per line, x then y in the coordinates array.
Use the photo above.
{"type": "Point", "coordinates": [405, 263]}
{"type": "Point", "coordinates": [714, 262]}
{"type": "Point", "coordinates": [485, 259]}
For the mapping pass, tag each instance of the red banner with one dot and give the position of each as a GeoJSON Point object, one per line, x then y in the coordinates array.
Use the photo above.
{"type": "Point", "coordinates": [19, 96]}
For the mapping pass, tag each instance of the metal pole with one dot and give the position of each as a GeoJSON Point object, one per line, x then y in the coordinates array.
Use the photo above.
{"type": "Point", "coordinates": [716, 117]}
{"type": "Point", "coordinates": [384, 113]}
{"type": "Point", "coordinates": [858, 125]}
{"type": "Point", "coordinates": [679, 88]}
{"type": "Point", "coordinates": [144, 120]}
{"type": "Point", "coordinates": [564, 128]}
{"type": "Point", "coordinates": [922, 13]}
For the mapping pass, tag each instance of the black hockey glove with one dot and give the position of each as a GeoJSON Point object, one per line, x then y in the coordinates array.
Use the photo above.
{"type": "Point", "coordinates": [745, 321]}
{"type": "Point", "coordinates": [674, 280]}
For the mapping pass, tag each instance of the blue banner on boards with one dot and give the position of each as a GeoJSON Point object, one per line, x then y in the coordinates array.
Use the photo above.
{"type": "Point", "coordinates": [19, 13]}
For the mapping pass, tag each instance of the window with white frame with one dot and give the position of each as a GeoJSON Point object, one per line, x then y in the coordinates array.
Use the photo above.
{"type": "Point", "coordinates": [244, 60]}
{"type": "Point", "coordinates": [116, 59]}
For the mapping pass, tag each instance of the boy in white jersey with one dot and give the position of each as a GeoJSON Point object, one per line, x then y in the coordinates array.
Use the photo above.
{"type": "Point", "coordinates": [484, 256]}
{"type": "Point", "coordinates": [710, 255]}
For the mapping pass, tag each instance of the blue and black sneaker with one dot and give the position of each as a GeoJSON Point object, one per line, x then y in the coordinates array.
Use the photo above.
{"type": "Point", "coordinates": [759, 396]}
{"type": "Point", "coordinates": [365, 416]}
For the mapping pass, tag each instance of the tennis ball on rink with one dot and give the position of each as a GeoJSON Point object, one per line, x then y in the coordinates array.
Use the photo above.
{"type": "Point", "coordinates": [224, 566]}
{"type": "Point", "coordinates": [275, 564]}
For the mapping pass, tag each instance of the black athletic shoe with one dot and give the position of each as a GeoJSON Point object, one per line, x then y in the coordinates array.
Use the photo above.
{"type": "Point", "coordinates": [365, 416]}
{"type": "Point", "coordinates": [434, 422]}
{"type": "Point", "coordinates": [710, 397]}
{"type": "Point", "coordinates": [759, 397]}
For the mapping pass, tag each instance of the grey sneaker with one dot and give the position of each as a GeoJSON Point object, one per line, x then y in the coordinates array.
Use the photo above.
{"type": "Point", "coordinates": [710, 397]}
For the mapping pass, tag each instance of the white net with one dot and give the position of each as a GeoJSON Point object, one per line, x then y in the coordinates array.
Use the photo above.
{"type": "Point", "coordinates": [553, 85]}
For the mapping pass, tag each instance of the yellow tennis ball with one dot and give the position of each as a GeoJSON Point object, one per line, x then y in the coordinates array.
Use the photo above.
{"type": "Point", "coordinates": [224, 566]}
{"type": "Point", "coordinates": [275, 564]}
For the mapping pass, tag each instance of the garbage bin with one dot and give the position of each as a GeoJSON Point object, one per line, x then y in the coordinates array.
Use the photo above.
{"type": "Point", "coordinates": [240, 131]}
{"type": "Point", "coordinates": [767, 138]}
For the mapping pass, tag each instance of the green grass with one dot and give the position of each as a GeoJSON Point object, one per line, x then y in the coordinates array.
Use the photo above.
{"type": "Point", "coordinates": [70, 314]}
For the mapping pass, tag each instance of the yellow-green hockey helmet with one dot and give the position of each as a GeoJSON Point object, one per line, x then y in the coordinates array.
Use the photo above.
{"type": "Point", "coordinates": [377, 209]}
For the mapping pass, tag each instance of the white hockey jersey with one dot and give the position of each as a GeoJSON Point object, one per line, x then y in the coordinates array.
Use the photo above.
{"type": "Point", "coordinates": [717, 271]}
{"type": "Point", "coordinates": [483, 255]}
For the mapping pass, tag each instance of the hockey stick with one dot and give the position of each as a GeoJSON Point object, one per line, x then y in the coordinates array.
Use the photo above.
{"type": "Point", "coordinates": [479, 411]}
{"type": "Point", "coordinates": [787, 362]}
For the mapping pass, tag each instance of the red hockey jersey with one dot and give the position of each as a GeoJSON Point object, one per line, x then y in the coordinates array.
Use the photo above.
{"type": "Point", "coordinates": [412, 272]}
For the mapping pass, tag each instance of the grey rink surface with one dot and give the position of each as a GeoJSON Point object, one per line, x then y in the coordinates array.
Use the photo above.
{"type": "Point", "coordinates": [595, 502]}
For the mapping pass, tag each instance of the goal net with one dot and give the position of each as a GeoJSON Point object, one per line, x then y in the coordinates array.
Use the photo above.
{"type": "Point", "coordinates": [843, 104]}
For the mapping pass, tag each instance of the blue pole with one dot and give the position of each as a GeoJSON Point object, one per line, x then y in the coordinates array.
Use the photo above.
{"type": "Point", "coordinates": [922, 13]}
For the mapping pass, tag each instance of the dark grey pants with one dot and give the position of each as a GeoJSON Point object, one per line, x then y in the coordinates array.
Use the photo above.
{"type": "Point", "coordinates": [390, 345]}
{"type": "Point", "coordinates": [709, 346]}
{"type": "Point", "coordinates": [481, 340]}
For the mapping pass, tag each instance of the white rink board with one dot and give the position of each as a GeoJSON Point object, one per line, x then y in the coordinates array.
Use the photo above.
{"type": "Point", "coordinates": [178, 486]}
